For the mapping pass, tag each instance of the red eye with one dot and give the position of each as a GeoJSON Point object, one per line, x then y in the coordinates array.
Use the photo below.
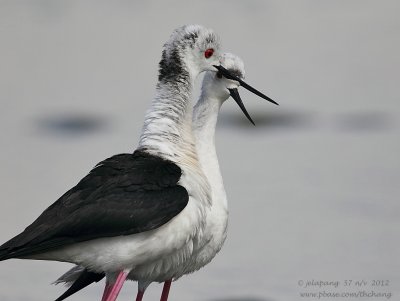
{"type": "Point", "coordinates": [208, 53]}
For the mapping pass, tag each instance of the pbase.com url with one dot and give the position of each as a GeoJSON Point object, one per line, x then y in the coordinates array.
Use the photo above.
{"type": "Point", "coordinates": [360, 294]}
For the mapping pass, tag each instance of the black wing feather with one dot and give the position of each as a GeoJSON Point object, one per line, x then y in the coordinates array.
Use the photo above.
{"type": "Point", "coordinates": [122, 195]}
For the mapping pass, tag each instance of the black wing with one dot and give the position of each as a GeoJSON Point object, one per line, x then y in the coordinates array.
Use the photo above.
{"type": "Point", "coordinates": [125, 194]}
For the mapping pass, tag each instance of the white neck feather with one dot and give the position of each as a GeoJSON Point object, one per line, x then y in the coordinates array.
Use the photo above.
{"type": "Point", "coordinates": [167, 129]}
{"type": "Point", "coordinates": [205, 115]}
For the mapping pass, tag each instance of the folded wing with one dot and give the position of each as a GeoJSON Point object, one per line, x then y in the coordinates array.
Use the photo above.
{"type": "Point", "coordinates": [122, 195]}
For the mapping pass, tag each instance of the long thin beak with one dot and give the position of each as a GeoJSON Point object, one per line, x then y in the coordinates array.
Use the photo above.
{"type": "Point", "coordinates": [235, 95]}
{"type": "Point", "coordinates": [229, 75]}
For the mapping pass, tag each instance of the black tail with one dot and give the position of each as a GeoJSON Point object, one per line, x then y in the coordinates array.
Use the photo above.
{"type": "Point", "coordinates": [84, 279]}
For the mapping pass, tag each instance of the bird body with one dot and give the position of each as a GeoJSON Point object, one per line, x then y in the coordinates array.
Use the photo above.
{"type": "Point", "coordinates": [151, 215]}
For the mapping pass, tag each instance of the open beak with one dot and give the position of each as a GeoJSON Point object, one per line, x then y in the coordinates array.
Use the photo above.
{"type": "Point", "coordinates": [235, 95]}
{"type": "Point", "coordinates": [229, 75]}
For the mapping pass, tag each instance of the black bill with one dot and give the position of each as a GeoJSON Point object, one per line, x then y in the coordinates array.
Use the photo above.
{"type": "Point", "coordinates": [229, 75]}
{"type": "Point", "coordinates": [235, 95]}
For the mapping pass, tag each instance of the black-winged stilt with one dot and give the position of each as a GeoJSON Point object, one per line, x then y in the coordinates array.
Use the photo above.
{"type": "Point", "coordinates": [214, 91]}
{"type": "Point", "coordinates": [141, 214]}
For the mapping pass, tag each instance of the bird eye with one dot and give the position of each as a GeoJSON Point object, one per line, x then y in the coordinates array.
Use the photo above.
{"type": "Point", "coordinates": [208, 53]}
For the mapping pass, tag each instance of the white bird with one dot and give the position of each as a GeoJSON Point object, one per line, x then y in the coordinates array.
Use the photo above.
{"type": "Point", "coordinates": [215, 90]}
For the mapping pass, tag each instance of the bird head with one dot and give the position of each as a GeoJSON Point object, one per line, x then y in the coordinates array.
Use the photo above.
{"type": "Point", "coordinates": [226, 81]}
{"type": "Point", "coordinates": [190, 50]}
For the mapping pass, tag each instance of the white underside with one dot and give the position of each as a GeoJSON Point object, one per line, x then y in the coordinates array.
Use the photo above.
{"type": "Point", "coordinates": [153, 255]}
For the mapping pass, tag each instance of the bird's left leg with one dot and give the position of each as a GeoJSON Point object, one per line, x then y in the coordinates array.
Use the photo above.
{"type": "Point", "coordinates": [139, 295]}
{"type": "Point", "coordinates": [165, 291]}
{"type": "Point", "coordinates": [142, 286]}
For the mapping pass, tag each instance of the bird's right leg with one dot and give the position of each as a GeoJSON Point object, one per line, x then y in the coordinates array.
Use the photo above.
{"type": "Point", "coordinates": [113, 286]}
{"type": "Point", "coordinates": [107, 290]}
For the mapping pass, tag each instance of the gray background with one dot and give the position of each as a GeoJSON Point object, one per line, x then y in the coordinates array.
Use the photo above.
{"type": "Point", "coordinates": [313, 189]}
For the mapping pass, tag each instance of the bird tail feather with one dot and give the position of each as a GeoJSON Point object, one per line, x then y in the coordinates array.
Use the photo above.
{"type": "Point", "coordinates": [78, 278]}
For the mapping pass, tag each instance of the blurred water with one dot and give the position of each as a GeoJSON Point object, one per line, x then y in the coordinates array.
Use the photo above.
{"type": "Point", "coordinates": [313, 188]}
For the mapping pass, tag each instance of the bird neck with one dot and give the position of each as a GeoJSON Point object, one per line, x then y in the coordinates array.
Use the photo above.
{"type": "Point", "coordinates": [205, 116]}
{"type": "Point", "coordinates": [167, 129]}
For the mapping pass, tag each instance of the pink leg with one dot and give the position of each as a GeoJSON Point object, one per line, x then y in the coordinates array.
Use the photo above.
{"type": "Point", "coordinates": [111, 293]}
{"type": "Point", "coordinates": [165, 291]}
{"type": "Point", "coordinates": [139, 295]}
{"type": "Point", "coordinates": [107, 290]}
